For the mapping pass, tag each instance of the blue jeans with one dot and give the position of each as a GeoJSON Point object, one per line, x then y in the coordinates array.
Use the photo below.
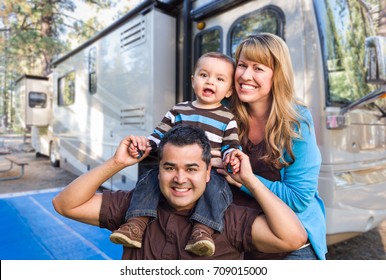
{"type": "Point", "coordinates": [209, 209]}
{"type": "Point", "coordinates": [306, 253]}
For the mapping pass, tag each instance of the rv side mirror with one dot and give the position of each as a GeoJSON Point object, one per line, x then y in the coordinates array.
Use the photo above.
{"type": "Point", "coordinates": [375, 59]}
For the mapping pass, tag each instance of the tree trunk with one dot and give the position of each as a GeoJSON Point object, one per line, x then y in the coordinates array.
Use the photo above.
{"type": "Point", "coordinates": [46, 31]}
{"type": "Point", "coordinates": [382, 19]}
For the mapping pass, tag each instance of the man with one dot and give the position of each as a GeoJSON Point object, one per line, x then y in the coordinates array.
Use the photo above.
{"type": "Point", "coordinates": [184, 170]}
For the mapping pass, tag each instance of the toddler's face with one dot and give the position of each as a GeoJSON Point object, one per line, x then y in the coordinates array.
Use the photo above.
{"type": "Point", "coordinates": [212, 81]}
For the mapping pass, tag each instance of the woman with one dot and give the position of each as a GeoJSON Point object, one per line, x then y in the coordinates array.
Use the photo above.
{"type": "Point", "coordinates": [277, 133]}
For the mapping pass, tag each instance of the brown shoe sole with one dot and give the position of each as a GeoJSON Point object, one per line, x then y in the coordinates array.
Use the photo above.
{"type": "Point", "coordinates": [119, 238]}
{"type": "Point", "coordinates": [201, 248]}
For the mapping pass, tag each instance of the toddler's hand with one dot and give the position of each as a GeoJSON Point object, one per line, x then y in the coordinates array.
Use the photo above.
{"type": "Point", "coordinates": [134, 151]}
{"type": "Point", "coordinates": [138, 146]}
{"type": "Point", "coordinates": [232, 163]}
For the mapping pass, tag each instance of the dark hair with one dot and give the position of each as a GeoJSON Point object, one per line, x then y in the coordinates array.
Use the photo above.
{"type": "Point", "coordinates": [217, 55]}
{"type": "Point", "coordinates": [182, 135]}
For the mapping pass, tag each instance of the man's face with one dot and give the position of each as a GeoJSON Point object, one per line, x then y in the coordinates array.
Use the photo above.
{"type": "Point", "coordinates": [182, 175]}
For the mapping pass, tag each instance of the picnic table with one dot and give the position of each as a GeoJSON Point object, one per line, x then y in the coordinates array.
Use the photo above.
{"type": "Point", "coordinates": [13, 160]}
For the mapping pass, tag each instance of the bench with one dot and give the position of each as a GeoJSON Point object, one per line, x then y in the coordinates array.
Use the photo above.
{"type": "Point", "coordinates": [17, 161]}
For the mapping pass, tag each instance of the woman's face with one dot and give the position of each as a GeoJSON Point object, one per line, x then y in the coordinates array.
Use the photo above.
{"type": "Point", "coordinates": [253, 81]}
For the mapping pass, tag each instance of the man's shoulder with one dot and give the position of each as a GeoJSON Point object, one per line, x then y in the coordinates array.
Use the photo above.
{"type": "Point", "coordinates": [238, 221]}
{"type": "Point", "coordinates": [113, 208]}
{"type": "Point", "coordinates": [115, 200]}
{"type": "Point", "coordinates": [233, 207]}
{"type": "Point", "coordinates": [118, 194]}
{"type": "Point", "coordinates": [237, 213]}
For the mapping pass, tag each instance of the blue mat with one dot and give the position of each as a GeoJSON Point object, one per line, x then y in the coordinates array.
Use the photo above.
{"type": "Point", "coordinates": [30, 229]}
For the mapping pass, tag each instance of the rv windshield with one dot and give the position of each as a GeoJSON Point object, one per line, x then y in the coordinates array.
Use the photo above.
{"type": "Point", "coordinates": [344, 26]}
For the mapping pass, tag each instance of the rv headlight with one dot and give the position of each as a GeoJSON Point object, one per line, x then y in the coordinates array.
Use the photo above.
{"type": "Point", "coordinates": [359, 178]}
{"type": "Point", "coordinates": [343, 180]}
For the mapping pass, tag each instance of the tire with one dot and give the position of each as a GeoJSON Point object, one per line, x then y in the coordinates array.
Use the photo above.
{"type": "Point", "coordinates": [53, 160]}
{"type": "Point", "coordinates": [38, 155]}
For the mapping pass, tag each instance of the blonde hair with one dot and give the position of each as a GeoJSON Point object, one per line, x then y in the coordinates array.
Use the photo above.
{"type": "Point", "coordinates": [270, 50]}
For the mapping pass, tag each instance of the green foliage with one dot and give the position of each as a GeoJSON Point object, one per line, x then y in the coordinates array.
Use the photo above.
{"type": "Point", "coordinates": [39, 31]}
{"type": "Point", "coordinates": [35, 32]}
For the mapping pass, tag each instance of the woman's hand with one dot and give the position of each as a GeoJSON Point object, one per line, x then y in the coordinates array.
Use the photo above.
{"type": "Point", "coordinates": [245, 174]}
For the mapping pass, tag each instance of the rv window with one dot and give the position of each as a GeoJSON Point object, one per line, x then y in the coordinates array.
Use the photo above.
{"type": "Point", "coordinates": [208, 41]}
{"type": "Point", "coordinates": [92, 75]}
{"type": "Point", "coordinates": [344, 27]}
{"type": "Point", "coordinates": [66, 89]}
{"type": "Point", "coordinates": [37, 99]}
{"type": "Point", "coordinates": [269, 20]}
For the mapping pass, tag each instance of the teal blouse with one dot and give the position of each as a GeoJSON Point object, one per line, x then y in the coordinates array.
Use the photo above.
{"type": "Point", "coordinates": [298, 187]}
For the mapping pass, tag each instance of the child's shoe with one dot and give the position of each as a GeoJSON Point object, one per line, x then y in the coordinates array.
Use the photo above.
{"type": "Point", "coordinates": [200, 242]}
{"type": "Point", "coordinates": [130, 234]}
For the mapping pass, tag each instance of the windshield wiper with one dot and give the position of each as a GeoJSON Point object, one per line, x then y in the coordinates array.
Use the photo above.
{"type": "Point", "coordinates": [383, 112]}
{"type": "Point", "coordinates": [337, 121]}
{"type": "Point", "coordinates": [368, 98]}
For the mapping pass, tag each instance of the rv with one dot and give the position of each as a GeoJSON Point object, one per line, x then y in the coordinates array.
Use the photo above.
{"type": "Point", "coordinates": [33, 102]}
{"type": "Point", "coordinates": [127, 77]}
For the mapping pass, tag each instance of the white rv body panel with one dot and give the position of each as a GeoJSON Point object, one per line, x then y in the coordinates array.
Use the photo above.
{"type": "Point", "coordinates": [133, 94]}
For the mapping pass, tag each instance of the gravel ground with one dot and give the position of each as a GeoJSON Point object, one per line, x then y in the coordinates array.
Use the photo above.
{"type": "Point", "coordinates": [368, 246]}
{"type": "Point", "coordinates": [39, 174]}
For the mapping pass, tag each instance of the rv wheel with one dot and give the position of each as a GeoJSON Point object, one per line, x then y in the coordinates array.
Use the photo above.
{"type": "Point", "coordinates": [38, 155]}
{"type": "Point", "coordinates": [53, 160]}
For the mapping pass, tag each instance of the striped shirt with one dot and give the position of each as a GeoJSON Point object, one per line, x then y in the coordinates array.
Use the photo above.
{"type": "Point", "coordinates": [219, 124]}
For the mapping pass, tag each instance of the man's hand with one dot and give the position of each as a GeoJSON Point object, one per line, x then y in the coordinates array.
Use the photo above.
{"type": "Point", "coordinates": [216, 160]}
{"type": "Point", "coordinates": [131, 150]}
